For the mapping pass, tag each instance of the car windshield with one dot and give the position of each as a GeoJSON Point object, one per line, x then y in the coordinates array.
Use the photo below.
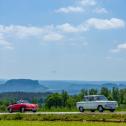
{"type": "Point", "coordinates": [101, 98]}
{"type": "Point", "coordinates": [89, 98]}
{"type": "Point", "coordinates": [95, 98]}
{"type": "Point", "coordinates": [22, 101]}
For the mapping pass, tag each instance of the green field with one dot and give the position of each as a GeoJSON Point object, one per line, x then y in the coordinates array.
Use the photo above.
{"type": "Point", "coordinates": [66, 117]}
{"type": "Point", "coordinates": [55, 123]}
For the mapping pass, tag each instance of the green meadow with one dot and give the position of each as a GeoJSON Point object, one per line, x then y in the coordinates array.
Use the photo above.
{"type": "Point", "coordinates": [57, 123]}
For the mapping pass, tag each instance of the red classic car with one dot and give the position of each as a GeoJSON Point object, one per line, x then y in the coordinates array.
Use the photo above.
{"type": "Point", "coordinates": [22, 106]}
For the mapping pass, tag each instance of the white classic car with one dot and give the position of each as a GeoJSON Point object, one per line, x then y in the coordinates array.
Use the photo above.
{"type": "Point", "coordinates": [96, 102]}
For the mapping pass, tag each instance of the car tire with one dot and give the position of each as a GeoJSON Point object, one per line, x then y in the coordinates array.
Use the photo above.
{"type": "Point", "coordinates": [112, 110]}
{"type": "Point", "coordinates": [92, 110]}
{"type": "Point", "coordinates": [34, 111]}
{"type": "Point", "coordinates": [81, 109]}
{"type": "Point", "coordinates": [10, 110]}
{"type": "Point", "coordinates": [22, 109]}
{"type": "Point", "coordinates": [100, 108]}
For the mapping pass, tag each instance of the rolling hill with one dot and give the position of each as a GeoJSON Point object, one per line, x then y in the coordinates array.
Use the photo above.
{"type": "Point", "coordinates": [72, 87]}
{"type": "Point", "coordinates": [23, 85]}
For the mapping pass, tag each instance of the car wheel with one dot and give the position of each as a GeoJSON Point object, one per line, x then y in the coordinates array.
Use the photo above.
{"type": "Point", "coordinates": [92, 110]}
{"type": "Point", "coordinates": [100, 108]}
{"type": "Point", "coordinates": [81, 109]}
{"type": "Point", "coordinates": [34, 110]}
{"type": "Point", "coordinates": [10, 110]}
{"type": "Point", "coordinates": [112, 110]}
{"type": "Point", "coordinates": [22, 109]}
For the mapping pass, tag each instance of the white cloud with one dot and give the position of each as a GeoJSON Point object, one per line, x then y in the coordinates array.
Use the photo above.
{"type": "Point", "coordinates": [87, 2]}
{"type": "Point", "coordinates": [122, 46]}
{"type": "Point", "coordinates": [101, 10]}
{"type": "Point", "coordinates": [70, 9]}
{"type": "Point", "coordinates": [96, 23]}
{"type": "Point", "coordinates": [33, 31]}
{"type": "Point", "coordinates": [55, 33]}
{"type": "Point", "coordinates": [68, 28]}
{"type": "Point", "coordinates": [119, 48]}
{"type": "Point", "coordinates": [114, 50]}
{"type": "Point", "coordinates": [21, 31]}
{"type": "Point", "coordinates": [5, 43]}
{"type": "Point", "coordinates": [53, 37]}
{"type": "Point", "coordinates": [104, 24]}
{"type": "Point", "coordinates": [90, 6]}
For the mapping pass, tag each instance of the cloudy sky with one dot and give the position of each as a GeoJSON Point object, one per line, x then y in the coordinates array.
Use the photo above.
{"type": "Point", "coordinates": [63, 39]}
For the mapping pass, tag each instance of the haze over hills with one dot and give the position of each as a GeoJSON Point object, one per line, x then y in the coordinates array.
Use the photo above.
{"type": "Point", "coordinates": [73, 87]}
{"type": "Point", "coordinates": [25, 85]}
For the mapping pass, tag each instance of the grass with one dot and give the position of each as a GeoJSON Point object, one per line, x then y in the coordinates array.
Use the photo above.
{"type": "Point", "coordinates": [68, 117]}
{"type": "Point", "coordinates": [74, 109]}
{"type": "Point", "coordinates": [38, 123]}
{"type": "Point", "coordinates": [121, 108]}
{"type": "Point", "coordinates": [58, 109]}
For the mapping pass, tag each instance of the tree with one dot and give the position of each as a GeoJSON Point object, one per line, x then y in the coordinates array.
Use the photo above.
{"type": "Point", "coordinates": [70, 102]}
{"type": "Point", "coordinates": [115, 94]}
{"type": "Point", "coordinates": [65, 96]}
{"type": "Point", "coordinates": [104, 91]}
{"type": "Point", "coordinates": [124, 98]}
{"type": "Point", "coordinates": [54, 100]}
{"type": "Point", "coordinates": [82, 93]}
{"type": "Point", "coordinates": [121, 94]}
{"type": "Point", "coordinates": [34, 100]}
{"type": "Point", "coordinates": [93, 91]}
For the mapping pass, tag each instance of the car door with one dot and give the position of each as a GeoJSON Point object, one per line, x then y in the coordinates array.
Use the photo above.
{"type": "Point", "coordinates": [91, 102]}
{"type": "Point", "coordinates": [15, 107]}
{"type": "Point", "coordinates": [87, 104]}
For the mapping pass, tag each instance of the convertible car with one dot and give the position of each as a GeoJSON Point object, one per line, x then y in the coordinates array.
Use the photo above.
{"type": "Point", "coordinates": [22, 106]}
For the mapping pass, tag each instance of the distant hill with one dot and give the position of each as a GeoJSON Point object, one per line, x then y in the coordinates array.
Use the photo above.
{"type": "Point", "coordinates": [111, 85]}
{"type": "Point", "coordinates": [24, 85]}
{"type": "Point", "coordinates": [74, 87]}
{"type": "Point", "coordinates": [71, 86]}
{"type": "Point", "coordinates": [2, 81]}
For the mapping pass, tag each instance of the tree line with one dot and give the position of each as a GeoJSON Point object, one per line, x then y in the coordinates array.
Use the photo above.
{"type": "Point", "coordinates": [61, 100]}
{"type": "Point", "coordinates": [65, 100]}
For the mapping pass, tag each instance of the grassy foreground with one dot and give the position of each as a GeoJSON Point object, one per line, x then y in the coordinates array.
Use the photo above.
{"type": "Point", "coordinates": [66, 117]}
{"type": "Point", "coordinates": [55, 123]}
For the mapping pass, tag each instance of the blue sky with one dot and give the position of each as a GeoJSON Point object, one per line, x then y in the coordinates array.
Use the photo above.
{"type": "Point", "coordinates": [63, 40]}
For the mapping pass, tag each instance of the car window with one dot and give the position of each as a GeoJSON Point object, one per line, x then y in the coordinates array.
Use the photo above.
{"type": "Point", "coordinates": [91, 98]}
{"type": "Point", "coordinates": [95, 98]}
{"type": "Point", "coordinates": [88, 98]}
{"type": "Point", "coordinates": [101, 98]}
